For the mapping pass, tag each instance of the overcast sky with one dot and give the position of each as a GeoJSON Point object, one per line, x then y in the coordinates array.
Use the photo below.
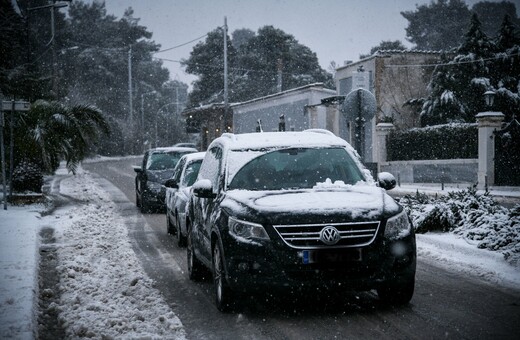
{"type": "Point", "coordinates": [336, 30]}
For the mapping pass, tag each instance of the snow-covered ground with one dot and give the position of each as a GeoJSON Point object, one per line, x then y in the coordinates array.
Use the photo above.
{"type": "Point", "coordinates": [105, 291]}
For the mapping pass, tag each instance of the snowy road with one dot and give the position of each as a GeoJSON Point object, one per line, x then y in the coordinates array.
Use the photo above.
{"type": "Point", "coordinates": [447, 304]}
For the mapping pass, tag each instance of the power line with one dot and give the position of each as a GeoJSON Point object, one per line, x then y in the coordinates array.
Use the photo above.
{"type": "Point", "coordinates": [118, 49]}
{"type": "Point", "coordinates": [184, 44]}
{"type": "Point", "coordinates": [231, 68]}
{"type": "Point", "coordinates": [452, 63]}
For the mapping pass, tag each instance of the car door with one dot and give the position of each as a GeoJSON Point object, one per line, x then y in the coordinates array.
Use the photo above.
{"type": "Point", "coordinates": [211, 169]}
{"type": "Point", "coordinates": [170, 192]}
{"type": "Point", "coordinates": [140, 180]}
{"type": "Point", "coordinates": [182, 196]}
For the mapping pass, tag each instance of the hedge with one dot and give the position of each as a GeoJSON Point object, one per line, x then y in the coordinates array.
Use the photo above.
{"type": "Point", "coordinates": [449, 141]}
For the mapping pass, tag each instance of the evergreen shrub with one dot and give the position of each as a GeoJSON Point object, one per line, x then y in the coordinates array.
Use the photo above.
{"type": "Point", "coordinates": [448, 141]}
{"type": "Point", "coordinates": [27, 176]}
{"type": "Point", "coordinates": [474, 216]}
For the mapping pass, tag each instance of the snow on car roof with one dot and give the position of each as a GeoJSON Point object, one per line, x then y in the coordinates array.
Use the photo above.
{"type": "Point", "coordinates": [263, 140]}
{"type": "Point", "coordinates": [194, 156]}
{"type": "Point", "coordinates": [256, 143]}
{"type": "Point", "coordinates": [172, 149]}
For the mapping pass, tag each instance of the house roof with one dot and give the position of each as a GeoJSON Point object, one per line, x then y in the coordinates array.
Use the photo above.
{"type": "Point", "coordinates": [317, 86]}
{"type": "Point", "coordinates": [382, 53]}
{"type": "Point", "coordinates": [214, 107]}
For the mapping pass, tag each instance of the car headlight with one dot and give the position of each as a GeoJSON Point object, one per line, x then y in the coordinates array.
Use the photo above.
{"type": "Point", "coordinates": [154, 187]}
{"type": "Point", "coordinates": [398, 226]}
{"type": "Point", "coordinates": [247, 230]}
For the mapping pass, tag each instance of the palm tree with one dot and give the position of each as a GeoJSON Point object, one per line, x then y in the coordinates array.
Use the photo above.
{"type": "Point", "coordinates": [50, 132]}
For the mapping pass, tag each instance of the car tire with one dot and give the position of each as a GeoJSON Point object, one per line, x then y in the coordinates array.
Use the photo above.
{"type": "Point", "coordinates": [397, 293]}
{"type": "Point", "coordinates": [169, 226]}
{"type": "Point", "coordinates": [195, 267]}
{"type": "Point", "coordinates": [144, 206]}
{"type": "Point", "coordinates": [181, 239]}
{"type": "Point", "coordinates": [137, 201]}
{"type": "Point", "coordinates": [224, 298]}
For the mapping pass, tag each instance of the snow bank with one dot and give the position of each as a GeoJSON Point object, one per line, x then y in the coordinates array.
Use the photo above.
{"type": "Point", "coordinates": [455, 253]}
{"type": "Point", "coordinates": [105, 293]}
{"type": "Point", "coordinates": [475, 217]}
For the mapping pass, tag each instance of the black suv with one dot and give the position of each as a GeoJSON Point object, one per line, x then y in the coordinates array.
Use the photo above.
{"type": "Point", "coordinates": [296, 209]}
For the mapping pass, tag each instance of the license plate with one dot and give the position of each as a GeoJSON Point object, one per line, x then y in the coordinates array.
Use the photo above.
{"type": "Point", "coordinates": [330, 256]}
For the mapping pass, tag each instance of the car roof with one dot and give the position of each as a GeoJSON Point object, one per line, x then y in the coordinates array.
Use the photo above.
{"type": "Point", "coordinates": [194, 156]}
{"type": "Point", "coordinates": [172, 149]}
{"type": "Point", "coordinates": [184, 145]}
{"type": "Point", "coordinates": [293, 139]}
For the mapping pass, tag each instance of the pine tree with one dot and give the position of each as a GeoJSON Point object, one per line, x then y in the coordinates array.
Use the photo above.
{"type": "Point", "coordinates": [480, 64]}
{"type": "Point", "coordinates": [506, 70]}
{"type": "Point", "coordinates": [507, 37]}
{"type": "Point", "coordinates": [253, 65]}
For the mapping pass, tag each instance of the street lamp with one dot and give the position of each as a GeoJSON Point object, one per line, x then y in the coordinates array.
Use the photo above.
{"type": "Point", "coordinates": [156, 118]}
{"type": "Point", "coordinates": [52, 5]}
{"type": "Point", "coordinates": [489, 97]}
{"type": "Point", "coordinates": [142, 106]}
{"type": "Point", "coordinates": [142, 113]}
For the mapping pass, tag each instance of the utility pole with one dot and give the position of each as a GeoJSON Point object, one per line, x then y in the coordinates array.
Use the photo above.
{"type": "Point", "coordinates": [279, 68]}
{"type": "Point", "coordinates": [2, 159]}
{"type": "Point", "coordinates": [226, 113]}
{"type": "Point", "coordinates": [11, 148]}
{"type": "Point", "coordinates": [53, 49]}
{"type": "Point", "coordinates": [9, 106]}
{"type": "Point", "coordinates": [130, 105]}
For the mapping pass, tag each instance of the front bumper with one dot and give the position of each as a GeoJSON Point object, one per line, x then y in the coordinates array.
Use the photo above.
{"type": "Point", "coordinates": [154, 198]}
{"type": "Point", "coordinates": [274, 264]}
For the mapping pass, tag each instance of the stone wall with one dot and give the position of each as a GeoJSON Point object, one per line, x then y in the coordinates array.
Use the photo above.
{"type": "Point", "coordinates": [433, 171]}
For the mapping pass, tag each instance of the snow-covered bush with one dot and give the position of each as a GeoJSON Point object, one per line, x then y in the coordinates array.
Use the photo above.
{"type": "Point", "coordinates": [477, 218]}
{"type": "Point", "coordinates": [27, 176]}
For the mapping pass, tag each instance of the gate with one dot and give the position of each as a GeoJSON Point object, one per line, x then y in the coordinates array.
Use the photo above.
{"type": "Point", "coordinates": [507, 155]}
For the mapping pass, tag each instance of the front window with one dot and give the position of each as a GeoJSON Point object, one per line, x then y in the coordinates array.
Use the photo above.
{"type": "Point", "coordinates": [296, 168]}
{"type": "Point", "coordinates": [210, 168]}
{"type": "Point", "coordinates": [190, 174]}
{"type": "Point", "coordinates": [163, 160]}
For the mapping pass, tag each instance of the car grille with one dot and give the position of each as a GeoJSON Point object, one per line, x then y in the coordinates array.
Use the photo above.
{"type": "Point", "coordinates": [307, 236]}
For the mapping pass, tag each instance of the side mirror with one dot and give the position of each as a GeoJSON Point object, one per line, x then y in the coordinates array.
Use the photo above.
{"type": "Point", "coordinates": [386, 180]}
{"type": "Point", "coordinates": [171, 183]}
{"type": "Point", "coordinates": [137, 169]}
{"type": "Point", "coordinates": [203, 189]}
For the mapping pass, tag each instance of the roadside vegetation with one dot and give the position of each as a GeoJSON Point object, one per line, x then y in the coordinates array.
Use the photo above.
{"type": "Point", "coordinates": [477, 218]}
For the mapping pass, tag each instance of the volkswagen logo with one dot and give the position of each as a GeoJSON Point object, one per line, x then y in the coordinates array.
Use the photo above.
{"type": "Point", "coordinates": [330, 235]}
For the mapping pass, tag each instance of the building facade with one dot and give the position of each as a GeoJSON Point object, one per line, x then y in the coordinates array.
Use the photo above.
{"type": "Point", "coordinates": [298, 108]}
{"type": "Point", "coordinates": [394, 77]}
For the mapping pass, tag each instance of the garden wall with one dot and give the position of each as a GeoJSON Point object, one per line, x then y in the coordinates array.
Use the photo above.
{"type": "Point", "coordinates": [433, 171]}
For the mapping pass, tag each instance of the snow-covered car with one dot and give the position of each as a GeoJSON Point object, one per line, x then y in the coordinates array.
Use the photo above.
{"type": "Point", "coordinates": [186, 145]}
{"type": "Point", "coordinates": [177, 194]}
{"type": "Point", "coordinates": [156, 167]}
{"type": "Point", "coordinates": [296, 209]}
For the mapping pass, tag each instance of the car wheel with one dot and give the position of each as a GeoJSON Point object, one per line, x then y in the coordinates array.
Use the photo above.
{"type": "Point", "coordinates": [397, 293]}
{"type": "Point", "coordinates": [223, 294]}
{"type": "Point", "coordinates": [181, 239]}
{"type": "Point", "coordinates": [144, 205]}
{"type": "Point", "coordinates": [195, 267]}
{"type": "Point", "coordinates": [169, 226]}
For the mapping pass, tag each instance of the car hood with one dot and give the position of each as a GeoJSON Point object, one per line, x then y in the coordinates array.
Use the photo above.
{"type": "Point", "coordinates": [159, 176]}
{"type": "Point", "coordinates": [357, 202]}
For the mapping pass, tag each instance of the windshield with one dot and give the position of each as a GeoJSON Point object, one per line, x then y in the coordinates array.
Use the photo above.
{"type": "Point", "coordinates": [296, 169]}
{"type": "Point", "coordinates": [163, 160]}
